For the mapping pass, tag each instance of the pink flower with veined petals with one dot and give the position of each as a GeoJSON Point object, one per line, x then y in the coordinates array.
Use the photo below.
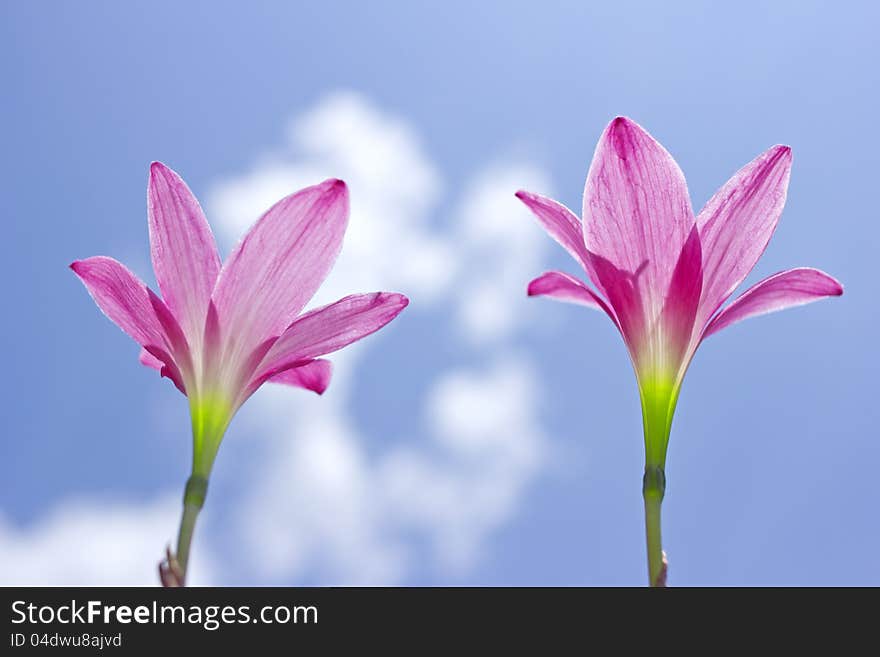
{"type": "Point", "coordinates": [662, 275]}
{"type": "Point", "coordinates": [219, 331]}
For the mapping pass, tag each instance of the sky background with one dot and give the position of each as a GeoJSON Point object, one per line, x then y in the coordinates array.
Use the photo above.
{"type": "Point", "coordinates": [483, 437]}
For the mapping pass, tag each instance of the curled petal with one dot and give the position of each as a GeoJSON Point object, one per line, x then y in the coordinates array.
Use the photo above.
{"type": "Point", "coordinates": [563, 287]}
{"type": "Point", "coordinates": [313, 375]}
{"type": "Point", "coordinates": [737, 223]}
{"type": "Point", "coordinates": [149, 360]}
{"type": "Point", "coordinates": [279, 264]}
{"type": "Point", "coordinates": [165, 365]}
{"type": "Point", "coordinates": [786, 289]}
{"type": "Point", "coordinates": [183, 250]}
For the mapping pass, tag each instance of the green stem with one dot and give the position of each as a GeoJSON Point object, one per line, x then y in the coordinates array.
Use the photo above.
{"type": "Point", "coordinates": [653, 489]}
{"type": "Point", "coordinates": [193, 500]}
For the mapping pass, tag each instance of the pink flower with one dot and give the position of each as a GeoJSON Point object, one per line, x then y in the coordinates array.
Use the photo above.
{"type": "Point", "coordinates": [660, 273]}
{"type": "Point", "coordinates": [219, 331]}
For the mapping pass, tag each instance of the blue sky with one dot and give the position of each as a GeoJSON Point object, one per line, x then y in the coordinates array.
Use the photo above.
{"type": "Point", "coordinates": [484, 437]}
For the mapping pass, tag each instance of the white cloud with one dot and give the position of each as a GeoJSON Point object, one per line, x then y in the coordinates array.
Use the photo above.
{"type": "Point", "coordinates": [490, 449]}
{"type": "Point", "coordinates": [323, 505]}
{"type": "Point", "coordinates": [389, 242]}
{"type": "Point", "coordinates": [504, 249]}
{"type": "Point", "coordinates": [95, 543]}
{"type": "Point", "coordinates": [319, 503]}
{"type": "Point", "coordinates": [316, 505]}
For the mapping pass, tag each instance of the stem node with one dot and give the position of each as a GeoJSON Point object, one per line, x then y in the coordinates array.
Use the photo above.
{"type": "Point", "coordinates": [653, 490]}
{"type": "Point", "coordinates": [172, 571]}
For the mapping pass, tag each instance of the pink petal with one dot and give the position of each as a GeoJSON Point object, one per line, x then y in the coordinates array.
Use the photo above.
{"type": "Point", "coordinates": [737, 223]}
{"type": "Point", "coordinates": [562, 224]}
{"type": "Point", "coordinates": [637, 217]}
{"type": "Point", "coordinates": [169, 370]}
{"type": "Point", "coordinates": [677, 320]}
{"type": "Point", "coordinates": [279, 264]}
{"type": "Point", "coordinates": [134, 308]}
{"type": "Point", "coordinates": [786, 289]}
{"type": "Point", "coordinates": [149, 360]}
{"type": "Point", "coordinates": [314, 376]}
{"type": "Point", "coordinates": [184, 253]}
{"type": "Point", "coordinates": [329, 328]}
{"type": "Point", "coordinates": [565, 227]}
{"type": "Point", "coordinates": [130, 304]}
{"type": "Point", "coordinates": [563, 287]}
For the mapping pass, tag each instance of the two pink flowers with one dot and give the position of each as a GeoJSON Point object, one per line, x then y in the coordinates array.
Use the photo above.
{"type": "Point", "coordinates": [660, 273]}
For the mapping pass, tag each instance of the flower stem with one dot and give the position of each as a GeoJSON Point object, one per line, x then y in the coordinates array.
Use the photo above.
{"type": "Point", "coordinates": [653, 489]}
{"type": "Point", "coordinates": [193, 499]}
{"type": "Point", "coordinates": [184, 537]}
